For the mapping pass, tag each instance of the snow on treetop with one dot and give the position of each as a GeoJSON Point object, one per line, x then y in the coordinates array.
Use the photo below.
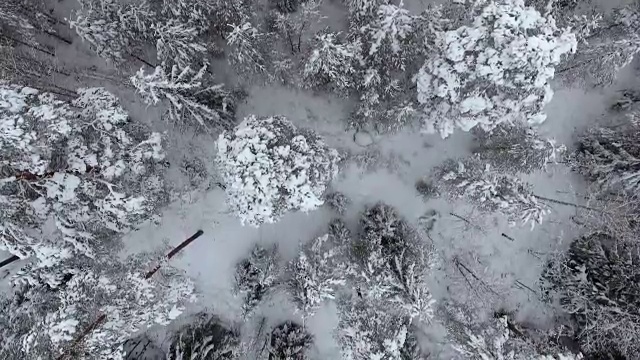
{"type": "Point", "coordinates": [269, 167]}
{"type": "Point", "coordinates": [494, 71]}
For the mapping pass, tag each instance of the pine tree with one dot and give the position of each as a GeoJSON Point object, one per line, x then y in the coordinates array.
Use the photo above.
{"type": "Point", "coordinates": [392, 29]}
{"type": "Point", "coordinates": [367, 330]}
{"type": "Point", "coordinates": [338, 202]}
{"type": "Point", "coordinates": [245, 52]}
{"type": "Point", "coordinates": [498, 338]}
{"type": "Point", "coordinates": [491, 191]}
{"type": "Point", "coordinates": [289, 341]}
{"type": "Point", "coordinates": [190, 96]}
{"type": "Point", "coordinates": [270, 168]}
{"type": "Point", "coordinates": [111, 28]}
{"type": "Point", "coordinates": [95, 287]}
{"type": "Point", "coordinates": [610, 157]}
{"type": "Point", "coordinates": [516, 149]}
{"type": "Point", "coordinates": [392, 262]}
{"type": "Point", "coordinates": [178, 43]}
{"type": "Point", "coordinates": [597, 285]}
{"type": "Point", "coordinates": [81, 165]}
{"type": "Point", "coordinates": [609, 43]}
{"type": "Point", "coordinates": [332, 63]}
{"type": "Point", "coordinates": [315, 274]}
{"type": "Point", "coordinates": [483, 75]}
{"type": "Point", "coordinates": [256, 275]}
{"type": "Point", "coordinates": [203, 339]}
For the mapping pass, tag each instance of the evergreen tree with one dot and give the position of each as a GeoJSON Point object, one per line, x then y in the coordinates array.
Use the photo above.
{"type": "Point", "coordinates": [82, 166]}
{"type": "Point", "coordinates": [484, 74]}
{"type": "Point", "coordinates": [130, 301]}
{"type": "Point", "coordinates": [256, 275]}
{"type": "Point", "coordinates": [190, 96]}
{"type": "Point", "coordinates": [516, 149]}
{"type": "Point", "coordinates": [289, 341]}
{"type": "Point", "coordinates": [491, 191]}
{"type": "Point", "coordinates": [367, 330]}
{"type": "Point", "coordinates": [609, 43]}
{"type": "Point", "coordinates": [597, 285]}
{"type": "Point", "coordinates": [270, 168]}
{"type": "Point", "coordinates": [207, 338]}
{"type": "Point", "coordinates": [498, 338]}
{"type": "Point", "coordinates": [315, 274]}
{"type": "Point", "coordinates": [392, 262]}
{"type": "Point", "coordinates": [178, 43]}
{"type": "Point", "coordinates": [610, 156]}
{"type": "Point", "coordinates": [112, 29]}
{"type": "Point", "coordinates": [332, 63]}
{"type": "Point", "coordinates": [245, 52]}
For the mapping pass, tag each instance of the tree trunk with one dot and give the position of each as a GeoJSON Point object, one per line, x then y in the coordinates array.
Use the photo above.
{"type": "Point", "coordinates": [175, 250]}
{"type": "Point", "coordinates": [29, 45]}
{"type": "Point", "coordinates": [59, 37]}
{"type": "Point", "coordinates": [8, 261]}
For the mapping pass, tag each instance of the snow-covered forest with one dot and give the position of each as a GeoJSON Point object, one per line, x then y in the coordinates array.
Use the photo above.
{"type": "Point", "coordinates": [320, 179]}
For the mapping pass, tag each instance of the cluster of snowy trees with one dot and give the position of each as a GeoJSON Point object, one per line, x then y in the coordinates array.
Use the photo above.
{"type": "Point", "coordinates": [499, 337]}
{"type": "Point", "coordinates": [75, 177]}
{"type": "Point", "coordinates": [377, 278]}
{"type": "Point", "coordinates": [596, 280]}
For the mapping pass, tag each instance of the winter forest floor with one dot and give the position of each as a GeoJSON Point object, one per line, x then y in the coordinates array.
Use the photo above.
{"type": "Point", "coordinates": [508, 259]}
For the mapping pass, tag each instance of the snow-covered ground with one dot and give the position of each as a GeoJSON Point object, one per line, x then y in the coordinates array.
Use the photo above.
{"type": "Point", "coordinates": [400, 160]}
{"type": "Point", "coordinates": [508, 259]}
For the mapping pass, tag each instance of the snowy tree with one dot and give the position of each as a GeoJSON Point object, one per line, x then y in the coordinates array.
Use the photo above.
{"type": "Point", "coordinates": [270, 168]}
{"type": "Point", "coordinates": [292, 27]}
{"type": "Point", "coordinates": [495, 71]}
{"type": "Point", "coordinates": [289, 341]}
{"type": "Point", "coordinates": [392, 262]}
{"type": "Point", "coordinates": [245, 52]}
{"type": "Point", "coordinates": [315, 274]}
{"type": "Point", "coordinates": [609, 44]}
{"type": "Point", "coordinates": [189, 95]}
{"type": "Point", "coordinates": [112, 29]}
{"type": "Point", "coordinates": [128, 300]}
{"type": "Point", "coordinates": [206, 338]}
{"type": "Point", "coordinates": [256, 275]}
{"type": "Point", "coordinates": [516, 149]}
{"type": "Point", "coordinates": [392, 29]}
{"type": "Point", "coordinates": [178, 43]}
{"type": "Point", "coordinates": [610, 157]}
{"type": "Point", "coordinates": [367, 330]}
{"type": "Point", "coordinates": [491, 190]}
{"type": "Point", "coordinates": [340, 234]}
{"type": "Point", "coordinates": [498, 338]}
{"type": "Point", "coordinates": [597, 285]}
{"type": "Point", "coordinates": [287, 6]}
{"type": "Point", "coordinates": [331, 63]}
{"type": "Point", "coordinates": [338, 202]}
{"type": "Point", "coordinates": [362, 12]}
{"type": "Point", "coordinates": [81, 167]}
{"type": "Point", "coordinates": [390, 46]}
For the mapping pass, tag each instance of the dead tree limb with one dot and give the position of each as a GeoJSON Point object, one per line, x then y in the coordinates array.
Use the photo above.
{"type": "Point", "coordinates": [8, 261]}
{"type": "Point", "coordinates": [508, 237]}
{"type": "Point", "coordinates": [568, 203]}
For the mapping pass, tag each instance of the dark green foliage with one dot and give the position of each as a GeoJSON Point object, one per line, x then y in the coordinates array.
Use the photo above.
{"type": "Point", "coordinates": [289, 341]}
{"type": "Point", "coordinates": [205, 339]}
{"type": "Point", "coordinates": [598, 284]}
